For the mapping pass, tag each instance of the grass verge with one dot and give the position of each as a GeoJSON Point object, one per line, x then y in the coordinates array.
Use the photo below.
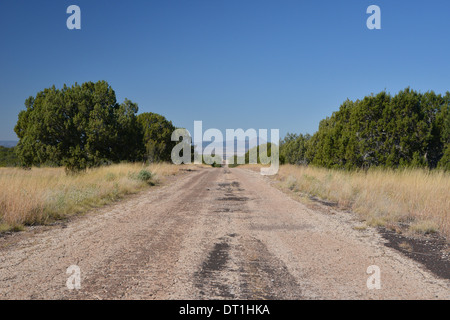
{"type": "Point", "coordinates": [43, 195]}
{"type": "Point", "coordinates": [415, 198]}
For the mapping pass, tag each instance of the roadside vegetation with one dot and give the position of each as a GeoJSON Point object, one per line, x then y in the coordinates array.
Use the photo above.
{"type": "Point", "coordinates": [253, 156]}
{"type": "Point", "coordinates": [416, 199]}
{"type": "Point", "coordinates": [407, 130]}
{"type": "Point", "coordinates": [78, 149]}
{"type": "Point", "coordinates": [385, 157]}
{"type": "Point", "coordinates": [43, 195]}
{"type": "Point", "coordinates": [83, 126]}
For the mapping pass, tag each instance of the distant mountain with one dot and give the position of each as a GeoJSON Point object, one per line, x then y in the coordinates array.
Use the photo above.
{"type": "Point", "coordinates": [8, 143]}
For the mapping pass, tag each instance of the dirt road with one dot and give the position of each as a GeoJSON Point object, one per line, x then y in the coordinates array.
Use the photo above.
{"type": "Point", "coordinates": [214, 233]}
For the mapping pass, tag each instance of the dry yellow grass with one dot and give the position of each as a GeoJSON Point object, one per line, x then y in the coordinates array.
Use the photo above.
{"type": "Point", "coordinates": [420, 198]}
{"type": "Point", "coordinates": [41, 195]}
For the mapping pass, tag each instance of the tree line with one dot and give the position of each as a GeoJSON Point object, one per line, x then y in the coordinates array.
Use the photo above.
{"type": "Point", "coordinates": [409, 129]}
{"type": "Point", "coordinates": [84, 126]}
{"type": "Point", "coordinates": [8, 157]}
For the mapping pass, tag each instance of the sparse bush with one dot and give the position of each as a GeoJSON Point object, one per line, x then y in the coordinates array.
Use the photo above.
{"type": "Point", "coordinates": [144, 175]}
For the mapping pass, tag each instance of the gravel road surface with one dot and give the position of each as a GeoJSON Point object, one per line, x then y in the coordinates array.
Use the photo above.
{"type": "Point", "coordinates": [212, 233]}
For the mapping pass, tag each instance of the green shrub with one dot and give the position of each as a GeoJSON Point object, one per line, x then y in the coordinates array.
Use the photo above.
{"type": "Point", "coordinates": [144, 175]}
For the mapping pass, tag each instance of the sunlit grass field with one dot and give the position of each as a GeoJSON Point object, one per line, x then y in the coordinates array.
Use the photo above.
{"type": "Point", "coordinates": [415, 197]}
{"type": "Point", "coordinates": [43, 195]}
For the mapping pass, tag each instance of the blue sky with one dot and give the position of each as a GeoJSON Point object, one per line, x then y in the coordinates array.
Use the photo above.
{"type": "Point", "coordinates": [282, 64]}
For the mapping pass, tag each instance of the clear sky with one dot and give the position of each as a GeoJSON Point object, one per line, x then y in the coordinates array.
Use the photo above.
{"type": "Point", "coordinates": [275, 64]}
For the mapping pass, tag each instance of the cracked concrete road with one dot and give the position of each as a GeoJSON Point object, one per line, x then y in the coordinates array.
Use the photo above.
{"type": "Point", "coordinates": [214, 233]}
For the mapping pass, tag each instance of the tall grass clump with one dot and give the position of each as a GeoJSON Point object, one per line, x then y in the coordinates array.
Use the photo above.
{"type": "Point", "coordinates": [415, 197]}
{"type": "Point", "coordinates": [43, 195]}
